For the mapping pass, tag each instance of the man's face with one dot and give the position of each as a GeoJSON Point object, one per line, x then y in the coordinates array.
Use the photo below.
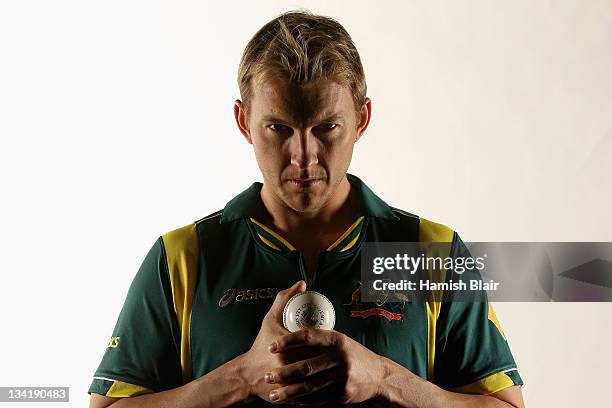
{"type": "Point", "coordinates": [303, 138]}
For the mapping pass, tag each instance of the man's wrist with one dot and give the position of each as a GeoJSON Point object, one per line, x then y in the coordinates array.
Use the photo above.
{"type": "Point", "coordinates": [243, 371]}
{"type": "Point", "coordinates": [384, 385]}
{"type": "Point", "coordinates": [226, 385]}
{"type": "Point", "coordinates": [382, 374]}
{"type": "Point", "coordinates": [239, 369]}
{"type": "Point", "coordinates": [395, 385]}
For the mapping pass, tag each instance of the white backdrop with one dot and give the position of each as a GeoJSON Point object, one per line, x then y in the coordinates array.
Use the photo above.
{"type": "Point", "coordinates": [116, 126]}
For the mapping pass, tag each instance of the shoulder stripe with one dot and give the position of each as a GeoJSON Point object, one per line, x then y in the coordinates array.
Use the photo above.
{"type": "Point", "coordinates": [433, 232]}
{"type": "Point", "coordinates": [430, 231]}
{"type": "Point", "coordinates": [181, 247]}
{"type": "Point", "coordinates": [433, 312]}
{"type": "Point", "coordinates": [493, 318]}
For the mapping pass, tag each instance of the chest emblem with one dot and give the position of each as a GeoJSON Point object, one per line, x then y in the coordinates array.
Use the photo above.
{"type": "Point", "coordinates": [390, 309]}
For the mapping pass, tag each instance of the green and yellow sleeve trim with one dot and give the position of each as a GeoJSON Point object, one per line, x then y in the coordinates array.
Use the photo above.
{"type": "Point", "coordinates": [492, 383]}
{"type": "Point", "coordinates": [116, 388]}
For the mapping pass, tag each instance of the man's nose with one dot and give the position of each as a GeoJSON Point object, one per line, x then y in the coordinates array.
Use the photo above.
{"type": "Point", "coordinates": [304, 149]}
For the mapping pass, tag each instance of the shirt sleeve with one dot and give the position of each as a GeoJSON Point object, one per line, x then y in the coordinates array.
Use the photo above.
{"type": "Point", "coordinates": [472, 351]}
{"type": "Point", "coordinates": [142, 355]}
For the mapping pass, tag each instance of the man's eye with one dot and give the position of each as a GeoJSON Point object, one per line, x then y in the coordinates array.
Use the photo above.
{"type": "Point", "coordinates": [277, 127]}
{"type": "Point", "coordinates": [328, 126]}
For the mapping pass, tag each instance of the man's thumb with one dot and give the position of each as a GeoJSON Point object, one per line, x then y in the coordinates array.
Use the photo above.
{"type": "Point", "coordinates": [283, 296]}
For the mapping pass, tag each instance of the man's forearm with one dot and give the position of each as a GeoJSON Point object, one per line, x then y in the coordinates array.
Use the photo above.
{"type": "Point", "coordinates": [402, 388]}
{"type": "Point", "coordinates": [225, 386]}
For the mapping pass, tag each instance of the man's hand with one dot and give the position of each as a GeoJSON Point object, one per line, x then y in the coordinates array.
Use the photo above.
{"type": "Point", "coordinates": [343, 370]}
{"type": "Point", "coordinates": [258, 360]}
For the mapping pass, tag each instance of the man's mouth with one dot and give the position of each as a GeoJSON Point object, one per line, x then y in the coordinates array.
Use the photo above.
{"type": "Point", "coordinates": [305, 182]}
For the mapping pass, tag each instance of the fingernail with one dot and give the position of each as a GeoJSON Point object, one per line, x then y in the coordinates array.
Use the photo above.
{"type": "Point", "coordinates": [269, 377]}
{"type": "Point", "coordinates": [273, 347]}
{"type": "Point", "coordinates": [273, 395]}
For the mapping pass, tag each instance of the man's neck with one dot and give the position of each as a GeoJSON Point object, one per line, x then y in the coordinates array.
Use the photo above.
{"type": "Point", "coordinates": [333, 218]}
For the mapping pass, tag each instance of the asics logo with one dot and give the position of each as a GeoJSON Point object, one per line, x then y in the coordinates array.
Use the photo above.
{"type": "Point", "coordinates": [240, 295]}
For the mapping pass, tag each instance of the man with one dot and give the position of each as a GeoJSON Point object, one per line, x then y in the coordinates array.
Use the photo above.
{"type": "Point", "coordinates": [202, 322]}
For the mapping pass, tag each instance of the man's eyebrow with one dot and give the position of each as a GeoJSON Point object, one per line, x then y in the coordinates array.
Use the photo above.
{"type": "Point", "coordinates": [273, 118]}
{"type": "Point", "coordinates": [331, 118]}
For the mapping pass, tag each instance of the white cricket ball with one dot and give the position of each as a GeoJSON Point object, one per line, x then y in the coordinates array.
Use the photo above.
{"type": "Point", "coordinates": [309, 309]}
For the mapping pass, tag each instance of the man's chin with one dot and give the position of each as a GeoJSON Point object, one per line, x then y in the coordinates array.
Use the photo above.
{"type": "Point", "coordinates": [305, 207]}
{"type": "Point", "coordinates": [303, 202]}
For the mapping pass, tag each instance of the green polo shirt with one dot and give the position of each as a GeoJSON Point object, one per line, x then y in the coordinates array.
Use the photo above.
{"type": "Point", "coordinates": [200, 295]}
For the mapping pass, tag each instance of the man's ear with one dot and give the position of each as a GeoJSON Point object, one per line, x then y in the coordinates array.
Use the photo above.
{"type": "Point", "coordinates": [364, 117]}
{"type": "Point", "coordinates": [241, 120]}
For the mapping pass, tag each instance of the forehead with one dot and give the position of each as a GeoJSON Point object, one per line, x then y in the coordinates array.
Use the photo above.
{"type": "Point", "coordinates": [301, 102]}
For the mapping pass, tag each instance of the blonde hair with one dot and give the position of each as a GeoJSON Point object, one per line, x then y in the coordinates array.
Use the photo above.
{"type": "Point", "coordinates": [301, 47]}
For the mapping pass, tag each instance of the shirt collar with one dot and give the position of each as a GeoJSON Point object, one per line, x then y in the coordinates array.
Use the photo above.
{"type": "Point", "coordinates": [248, 204]}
